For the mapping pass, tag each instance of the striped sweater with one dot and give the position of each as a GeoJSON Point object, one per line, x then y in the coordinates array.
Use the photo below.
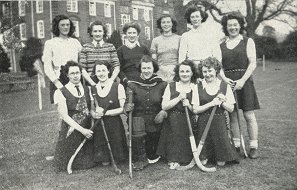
{"type": "Point", "coordinates": [89, 54]}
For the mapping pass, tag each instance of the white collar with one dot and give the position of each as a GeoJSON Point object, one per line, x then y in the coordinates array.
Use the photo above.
{"type": "Point", "coordinates": [71, 85]}
{"type": "Point", "coordinates": [216, 84]}
{"type": "Point", "coordinates": [105, 91]}
{"type": "Point", "coordinates": [94, 42]}
{"type": "Point", "coordinates": [181, 88]}
{"type": "Point", "coordinates": [237, 38]}
{"type": "Point", "coordinates": [132, 45]}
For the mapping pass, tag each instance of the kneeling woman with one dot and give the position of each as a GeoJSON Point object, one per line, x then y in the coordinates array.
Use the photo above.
{"type": "Point", "coordinates": [148, 114]}
{"type": "Point", "coordinates": [174, 141]}
{"type": "Point", "coordinates": [214, 92]}
{"type": "Point", "coordinates": [72, 102]}
{"type": "Point", "coordinates": [104, 92]}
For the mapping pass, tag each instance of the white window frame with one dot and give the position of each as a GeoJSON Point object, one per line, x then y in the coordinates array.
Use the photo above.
{"type": "Point", "coordinates": [76, 25]}
{"type": "Point", "coordinates": [40, 29]}
{"type": "Point", "coordinates": [5, 9]}
{"type": "Point", "coordinates": [92, 8]}
{"type": "Point", "coordinates": [135, 13]}
{"type": "Point", "coordinates": [107, 10]}
{"type": "Point", "coordinates": [147, 32]}
{"type": "Point", "coordinates": [125, 18]}
{"type": "Point", "coordinates": [72, 6]}
{"type": "Point", "coordinates": [109, 29]}
{"type": "Point", "coordinates": [22, 7]}
{"type": "Point", "coordinates": [146, 14]}
{"type": "Point", "coordinates": [39, 6]}
{"type": "Point", "coordinates": [23, 31]}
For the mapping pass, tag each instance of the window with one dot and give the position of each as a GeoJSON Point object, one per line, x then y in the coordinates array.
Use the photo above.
{"type": "Point", "coordinates": [40, 29]}
{"type": "Point", "coordinates": [23, 33]}
{"type": "Point", "coordinates": [72, 6]}
{"type": "Point", "coordinates": [135, 13]}
{"type": "Point", "coordinates": [125, 18]}
{"type": "Point", "coordinates": [39, 6]}
{"type": "Point", "coordinates": [92, 8]}
{"type": "Point", "coordinates": [147, 32]}
{"type": "Point", "coordinates": [22, 7]}
{"type": "Point", "coordinates": [107, 10]}
{"type": "Point", "coordinates": [76, 25]}
{"type": "Point", "coordinates": [5, 9]}
{"type": "Point", "coordinates": [146, 15]}
{"type": "Point", "coordinates": [109, 29]}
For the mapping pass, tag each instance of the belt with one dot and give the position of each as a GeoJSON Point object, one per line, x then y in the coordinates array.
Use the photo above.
{"type": "Point", "coordinates": [235, 70]}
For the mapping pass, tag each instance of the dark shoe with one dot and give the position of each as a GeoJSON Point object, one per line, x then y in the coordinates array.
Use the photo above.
{"type": "Point", "coordinates": [139, 165]}
{"type": "Point", "coordinates": [253, 153]}
{"type": "Point", "coordinates": [237, 150]}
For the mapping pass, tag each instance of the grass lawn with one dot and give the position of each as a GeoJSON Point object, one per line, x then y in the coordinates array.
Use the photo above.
{"type": "Point", "coordinates": [28, 136]}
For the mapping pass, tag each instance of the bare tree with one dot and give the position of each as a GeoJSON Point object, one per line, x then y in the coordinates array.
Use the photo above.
{"type": "Point", "coordinates": [257, 11]}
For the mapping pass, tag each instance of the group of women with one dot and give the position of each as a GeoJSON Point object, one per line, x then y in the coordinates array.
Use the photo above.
{"type": "Point", "coordinates": [191, 72]}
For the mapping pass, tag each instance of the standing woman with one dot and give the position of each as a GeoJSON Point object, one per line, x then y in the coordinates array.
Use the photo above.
{"type": "Point", "coordinates": [58, 50]}
{"type": "Point", "coordinates": [131, 53]}
{"type": "Point", "coordinates": [148, 114]}
{"type": "Point", "coordinates": [165, 48]}
{"type": "Point", "coordinates": [239, 62]}
{"type": "Point", "coordinates": [174, 142]}
{"type": "Point", "coordinates": [98, 49]}
{"type": "Point", "coordinates": [107, 90]}
{"type": "Point", "coordinates": [72, 102]}
{"type": "Point", "coordinates": [214, 92]}
{"type": "Point", "coordinates": [197, 44]}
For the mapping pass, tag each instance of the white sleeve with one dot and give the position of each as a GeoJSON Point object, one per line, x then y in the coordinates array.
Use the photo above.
{"type": "Point", "coordinates": [183, 48]}
{"type": "Point", "coordinates": [251, 49]}
{"type": "Point", "coordinates": [121, 92]}
{"type": "Point", "coordinates": [229, 95]}
{"type": "Point", "coordinates": [166, 95]}
{"type": "Point", "coordinates": [195, 96]}
{"type": "Point", "coordinates": [59, 98]}
{"type": "Point", "coordinates": [47, 60]}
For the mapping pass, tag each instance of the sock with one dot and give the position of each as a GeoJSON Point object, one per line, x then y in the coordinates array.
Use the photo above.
{"type": "Point", "coordinates": [253, 144]}
{"type": "Point", "coordinates": [236, 142]}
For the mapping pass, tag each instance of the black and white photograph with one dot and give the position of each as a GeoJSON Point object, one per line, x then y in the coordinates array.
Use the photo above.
{"type": "Point", "coordinates": [148, 94]}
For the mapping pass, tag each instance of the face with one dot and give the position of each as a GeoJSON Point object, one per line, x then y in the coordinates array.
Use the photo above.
{"type": "Point", "coordinates": [74, 74]}
{"type": "Point", "coordinates": [64, 27]}
{"type": "Point", "coordinates": [233, 27]}
{"type": "Point", "coordinates": [97, 32]}
{"type": "Point", "coordinates": [101, 72]}
{"type": "Point", "coordinates": [166, 24]}
{"type": "Point", "coordinates": [147, 69]}
{"type": "Point", "coordinates": [196, 19]}
{"type": "Point", "coordinates": [185, 73]}
{"type": "Point", "coordinates": [209, 73]}
{"type": "Point", "coordinates": [132, 35]}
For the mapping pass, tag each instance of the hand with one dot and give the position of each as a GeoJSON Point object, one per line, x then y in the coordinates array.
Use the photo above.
{"type": "Point", "coordinates": [221, 97]}
{"type": "Point", "coordinates": [95, 115]}
{"type": "Point", "coordinates": [239, 84]}
{"type": "Point", "coordinates": [185, 102]}
{"type": "Point", "coordinates": [99, 111]}
{"type": "Point", "coordinates": [160, 117]}
{"type": "Point", "coordinates": [87, 133]}
{"type": "Point", "coordinates": [129, 107]}
{"type": "Point", "coordinates": [182, 95]}
{"type": "Point", "coordinates": [216, 102]}
{"type": "Point", "coordinates": [230, 82]}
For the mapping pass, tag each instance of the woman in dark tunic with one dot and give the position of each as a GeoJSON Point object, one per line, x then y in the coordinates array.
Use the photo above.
{"type": "Point", "coordinates": [72, 102]}
{"type": "Point", "coordinates": [214, 92]}
{"type": "Point", "coordinates": [239, 62]}
{"type": "Point", "coordinates": [174, 142]}
{"type": "Point", "coordinates": [131, 53]}
{"type": "Point", "coordinates": [148, 114]}
{"type": "Point", "coordinates": [104, 91]}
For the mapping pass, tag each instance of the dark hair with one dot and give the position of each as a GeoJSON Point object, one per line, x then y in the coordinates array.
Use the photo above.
{"type": "Point", "coordinates": [210, 62]}
{"type": "Point", "coordinates": [186, 62]}
{"type": "Point", "coordinates": [131, 25]}
{"type": "Point", "coordinates": [65, 69]}
{"type": "Point", "coordinates": [90, 28]}
{"type": "Point", "coordinates": [174, 23]}
{"type": "Point", "coordinates": [231, 16]}
{"type": "Point", "coordinates": [30, 53]}
{"type": "Point", "coordinates": [147, 59]}
{"type": "Point", "coordinates": [56, 22]}
{"type": "Point", "coordinates": [193, 9]}
{"type": "Point", "coordinates": [100, 62]}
